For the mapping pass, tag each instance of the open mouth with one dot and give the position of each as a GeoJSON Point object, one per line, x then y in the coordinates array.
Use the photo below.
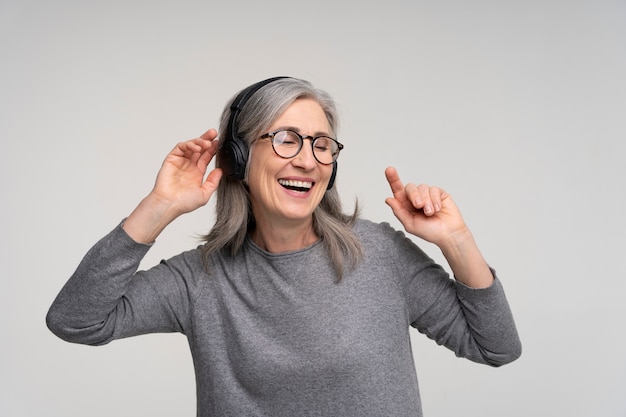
{"type": "Point", "coordinates": [293, 185]}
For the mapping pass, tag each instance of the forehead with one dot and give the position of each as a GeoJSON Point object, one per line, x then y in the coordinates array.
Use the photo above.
{"type": "Point", "coordinates": [305, 115]}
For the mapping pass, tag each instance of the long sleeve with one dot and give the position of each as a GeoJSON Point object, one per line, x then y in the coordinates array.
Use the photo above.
{"type": "Point", "coordinates": [106, 299]}
{"type": "Point", "coordinates": [476, 324]}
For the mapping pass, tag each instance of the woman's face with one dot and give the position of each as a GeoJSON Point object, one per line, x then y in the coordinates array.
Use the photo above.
{"type": "Point", "coordinates": [289, 189]}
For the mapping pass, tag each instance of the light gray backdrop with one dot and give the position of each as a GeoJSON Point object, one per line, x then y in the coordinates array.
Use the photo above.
{"type": "Point", "coordinates": [518, 109]}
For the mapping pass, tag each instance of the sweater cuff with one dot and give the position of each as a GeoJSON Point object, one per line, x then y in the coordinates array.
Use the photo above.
{"type": "Point", "coordinates": [469, 294]}
{"type": "Point", "coordinates": [121, 233]}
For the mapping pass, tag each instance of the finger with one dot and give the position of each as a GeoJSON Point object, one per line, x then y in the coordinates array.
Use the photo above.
{"type": "Point", "coordinates": [208, 154]}
{"type": "Point", "coordinates": [420, 198]}
{"type": "Point", "coordinates": [396, 206]}
{"type": "Point", "coordinates": [416, 195]}
{"type": "Point", "coordinates": [209, 134]}
{"type": "Point", "coordinates": [394, 180]}
{"type": "Point", "coordinates": [436, 196]}
{"type": "Point", "coordinates": [187, 148]}
{"type": "Point", "coordinates": [404, 214]}
{"type": "Point", "coordinates": [194, 147]}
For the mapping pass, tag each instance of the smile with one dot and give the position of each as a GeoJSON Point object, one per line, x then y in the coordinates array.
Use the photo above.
{"type": "Point", "coordinates": [294, 185]}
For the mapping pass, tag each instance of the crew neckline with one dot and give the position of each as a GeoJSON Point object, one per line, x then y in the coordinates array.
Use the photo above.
{"type": "Point", "coordinates": [266, 253]}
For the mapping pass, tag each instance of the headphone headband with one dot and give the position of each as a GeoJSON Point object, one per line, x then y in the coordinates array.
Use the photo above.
{"type": "Point", "coordinates": [245, 95]}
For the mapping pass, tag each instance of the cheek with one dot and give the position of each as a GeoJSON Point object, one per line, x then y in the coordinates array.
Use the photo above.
{"type": "Point", "coordinates": [261, 172]}
{"type": "Point", "coordinates": [327, 171]}
{"type": "Point", "coordinates": [256, 164]}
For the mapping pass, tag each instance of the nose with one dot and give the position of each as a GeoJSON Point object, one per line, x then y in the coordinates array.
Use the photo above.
{"type": "Point", "coordinates": [305, 159]}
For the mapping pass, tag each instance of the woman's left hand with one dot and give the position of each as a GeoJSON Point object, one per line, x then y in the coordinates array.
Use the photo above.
{"type": "Point", "coordinates": [429, 213]}
{"type": "Point", "coordinates": [424, 211]}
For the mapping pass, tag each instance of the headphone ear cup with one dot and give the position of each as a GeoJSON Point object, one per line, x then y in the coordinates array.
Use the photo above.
{"type": "Point", "coordinates": [233, 154]}
{"type": "Point", "coordinates": [233, 158]}
{"type": "Point", "coordinates": [332, 176]}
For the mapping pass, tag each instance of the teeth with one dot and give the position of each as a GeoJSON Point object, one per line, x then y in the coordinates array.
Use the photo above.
{"type": "Point", "coordinates": [296, 184]}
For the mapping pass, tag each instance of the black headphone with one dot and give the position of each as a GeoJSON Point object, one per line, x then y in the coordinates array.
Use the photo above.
{"type": "Point", "coordinates": [233, 153]}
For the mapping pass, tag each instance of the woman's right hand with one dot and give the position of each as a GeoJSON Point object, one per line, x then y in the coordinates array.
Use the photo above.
{"type": "Point", "coordinates": [179, 184]}
{"type": "Point", "coordinates": [180, 188]}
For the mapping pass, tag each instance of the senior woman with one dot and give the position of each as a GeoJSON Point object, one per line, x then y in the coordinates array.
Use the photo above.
{"type": "Point", "coordinates": [290, 307]}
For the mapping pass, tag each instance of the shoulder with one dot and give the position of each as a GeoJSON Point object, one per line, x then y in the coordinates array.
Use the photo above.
{"type": "Point", "coordinates": [188, 266]}
{"type": "Point", "coordinates": [369, 231]}
{"type": "Point", "coordinates": [384, 240]}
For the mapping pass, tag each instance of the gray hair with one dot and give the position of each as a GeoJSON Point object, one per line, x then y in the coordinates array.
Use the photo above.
{"type": "Point", "coordinates": [234, 217]}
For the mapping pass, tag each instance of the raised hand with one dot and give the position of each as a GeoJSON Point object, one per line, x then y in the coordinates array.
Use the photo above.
{"type": "Point", "coordinates": [429, 213]}
{"type": "Point", "coordinates": [180, 182]}
{"type": "Point", "coordinates": [180, 187]}
{"type": "Point", "coordinates": [424, 211]}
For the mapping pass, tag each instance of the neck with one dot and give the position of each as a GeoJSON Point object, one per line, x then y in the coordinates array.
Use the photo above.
{"type": "Point", "coordinates": [285, 237]}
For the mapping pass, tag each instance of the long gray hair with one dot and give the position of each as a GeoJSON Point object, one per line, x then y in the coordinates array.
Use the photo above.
{"type": "Point", "coordinates": [234, 216]}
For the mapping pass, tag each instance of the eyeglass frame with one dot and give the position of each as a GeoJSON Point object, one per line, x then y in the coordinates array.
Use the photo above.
{"type": "Point", "coordinates": [271, 135]}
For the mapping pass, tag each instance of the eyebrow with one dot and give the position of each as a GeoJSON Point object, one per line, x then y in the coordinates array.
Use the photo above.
{"type": "Point", "coordinates": [297, 129]}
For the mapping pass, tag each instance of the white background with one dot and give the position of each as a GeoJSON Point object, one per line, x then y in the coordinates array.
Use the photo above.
{"type": "Point", "coordinates": [517, 108]}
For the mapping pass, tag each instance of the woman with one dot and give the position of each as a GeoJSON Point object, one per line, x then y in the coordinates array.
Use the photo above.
{"type": "Point", "coordinates": [290, 307]}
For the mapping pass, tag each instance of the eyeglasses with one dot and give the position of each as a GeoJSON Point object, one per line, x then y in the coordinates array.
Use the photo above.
{"type": "Point", "coordinates": [287, 144]}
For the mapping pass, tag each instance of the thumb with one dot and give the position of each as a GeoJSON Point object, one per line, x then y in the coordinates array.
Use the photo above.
{"type": "Point", "coordinates": [213, 181]}
{"type": "Point", "coordinates": [395, 205]}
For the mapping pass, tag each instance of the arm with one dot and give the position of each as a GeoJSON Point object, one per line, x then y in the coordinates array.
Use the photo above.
{"type": "Point", "coordinates": [430, 213]}
{"type": "Point", "coordinates": [472, 316]}
{"type": "Point", "coordinates": [105, 299]}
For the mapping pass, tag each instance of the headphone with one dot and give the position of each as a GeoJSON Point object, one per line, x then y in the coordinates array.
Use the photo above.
{"type": "Point", "coordinates": [233, 153]}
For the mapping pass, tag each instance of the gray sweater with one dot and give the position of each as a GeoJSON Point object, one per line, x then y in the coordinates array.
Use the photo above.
{"type": "Point", "coordinates": [277, 335]}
